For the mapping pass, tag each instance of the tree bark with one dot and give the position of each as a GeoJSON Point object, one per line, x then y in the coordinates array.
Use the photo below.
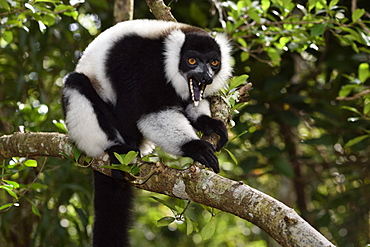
{"type": "Point", "coordinates": [160, 10]}
{"type": "Point", "coordinates": [123, 10]}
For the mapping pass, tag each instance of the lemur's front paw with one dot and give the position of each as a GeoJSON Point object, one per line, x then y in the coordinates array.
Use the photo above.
{"type": "Point", "coordinates": [210, 125]}
{"type": "Point", "coordinates": [203, 152]}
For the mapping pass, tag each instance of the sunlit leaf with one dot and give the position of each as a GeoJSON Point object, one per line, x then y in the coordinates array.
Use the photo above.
{"type": "Point", "coordinates": [238, 81]}
{"type": "Point", "coordinates": [10, 192]}
{"type": "Point", "coordinates": [265, 5]}
{"type": "Point", "coordinates": [357, 14]}
{"type": "Point", "coordinates": [232, 156]}
{"type": "Point", "coordinates": [189, 225]}
{"type": "Point", "coordinates": [356, 140]}
{"type": "Point", "coordinates": [30, 163]}
{"type": "Point", "coordinates": [254, 15]}
{"type": "Point", "coordinates": [333, 3]}
{"type": "Point", "coordinates": [165, 221]}
{"type": "Point", "coordinates": [4, 4]}
{"type": "Point", "coordinates": [274, 56]}
{"type": "Point", "coordinates": [129, 157]}
{"type": "Point", "coordinates": [363, 72]}
{"type": "Point", "coordinates": [14, 184]}
{"type": "Point", "coordinates": [352, 109]}
{"type": "Point", "coordinates": [208, 230]}
{"type": "Point", "coordinates": [244, 56]}
{"type": "Point", "coordinates": [8, 36]}
{"type": "Point", "coordinates": [347, 89]}
{"type": "Point", "coordinates": [5, 206]}
{"type": "Point", "coordinates": [119, 157]}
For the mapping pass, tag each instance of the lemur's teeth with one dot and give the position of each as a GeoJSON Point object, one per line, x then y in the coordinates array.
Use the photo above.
{"type": "Point", "coordinates": [191, 89]}
{"type": "Point", "coordinates": [196, 103]}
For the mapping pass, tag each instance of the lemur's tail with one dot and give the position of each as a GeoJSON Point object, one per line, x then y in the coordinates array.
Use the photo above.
{"type": "Point", "coordinates": [112, 201]}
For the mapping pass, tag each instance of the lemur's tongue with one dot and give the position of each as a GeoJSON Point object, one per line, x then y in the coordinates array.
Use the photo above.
{"type": "Point", "coordinates": [197, 90]}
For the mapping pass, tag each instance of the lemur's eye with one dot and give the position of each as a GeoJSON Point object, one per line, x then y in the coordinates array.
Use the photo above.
{"type": "Point", "coordinates": [192, 61]}
{"type": "Point", "coordinates": [215, 62]}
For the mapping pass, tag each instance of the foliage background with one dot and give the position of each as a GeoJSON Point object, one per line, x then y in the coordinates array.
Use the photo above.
{"type": "Point", "coordinates": [304, 145]}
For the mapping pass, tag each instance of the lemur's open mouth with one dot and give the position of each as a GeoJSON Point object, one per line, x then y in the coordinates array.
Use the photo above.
{"type": "Point", "coordinates": [197, 90]}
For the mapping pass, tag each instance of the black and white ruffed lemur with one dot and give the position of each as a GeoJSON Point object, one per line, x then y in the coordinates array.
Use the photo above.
{"type": "Point", "coordinates": [138, 84]}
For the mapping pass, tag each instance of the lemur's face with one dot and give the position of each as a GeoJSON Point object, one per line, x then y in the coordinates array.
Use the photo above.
{"type": "Point", "coordinates": [199, 70]}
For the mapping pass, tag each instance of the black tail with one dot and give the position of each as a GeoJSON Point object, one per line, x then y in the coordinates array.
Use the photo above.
{"type": "Point", "coordinates": [113, 200]}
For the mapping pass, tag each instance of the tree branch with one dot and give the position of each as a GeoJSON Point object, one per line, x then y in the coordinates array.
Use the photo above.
{"type": "Point", "coordinates": [160, 10]}
{"type": "Point", "coordinates": [123, 10]}
{"type": "Point", "coordinates": [194, 184]}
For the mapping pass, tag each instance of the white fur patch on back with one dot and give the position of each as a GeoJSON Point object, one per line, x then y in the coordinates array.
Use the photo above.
{"type": "Point", "coordinates": [83, 125]}
{"type": "Point", "coordinates": [168, 129]}
{"type": "Point", "coordinates": [92, 62]}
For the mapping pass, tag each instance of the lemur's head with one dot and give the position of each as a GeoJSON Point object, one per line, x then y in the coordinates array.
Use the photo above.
{"type": "Point", "coordinates": [199, 66]}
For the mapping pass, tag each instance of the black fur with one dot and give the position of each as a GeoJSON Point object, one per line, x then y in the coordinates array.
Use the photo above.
{"type": "Point", "coordinates": [112, 201]}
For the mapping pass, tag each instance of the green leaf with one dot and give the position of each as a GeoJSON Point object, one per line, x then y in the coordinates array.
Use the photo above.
{"type": "Point", "coordinates": [14, 184]}
{"type": "Point", "coordinates": [5, 206]}
{"type": "Point", "coordinates": [274, 56]}
{"type": "Point", "coordinates": [4, 4]}
{"type": "Point", "coordinates": [333, 3]}
{"type": "Point", "coordinates": [164, 203]}
{"type": "Point", "coordinates": [10, 192]}
{"type": "Point", "coordinates": [244, 56]}
{"type": "Point", "coordinates": [284, 40]}
{"type": "Point", "coordinates": [189, 225]}
{"type": "Point", "coordinates": [121, 167]}
{"type": "Point", "coordinates": [254, 15]}
{"type": "Point", "coordinates": [347, 89]}
{"type": "Point", "coordinates": [356, 140]}
{"type": "Point", "coordinates": [238, 81]}
{"type": "Point", "coordinates": [208, 230]}
{"type": "Point", "coordinates": [366, 110]}
{"type": "Point", "coordinates": [34, 208]}
{"type": "Point", "coordinates": [311, 4]}
{"type": "Point", "coordinates": [135, 170]}
{"type": "Point", "coordinates": [73, 14]}
{"type": "Point", "coordinates": [265, 5]}
{"type": "Point", "coordinates": [63, 8]}
{"type": "Point", "coordinates": [352, 109]}
{"type": "Point", "coordinates": [8, 36]}
{"type": "Point", "coordinates": [165, 221]}
{"type": "Point", "coordinates": [77, 154]}
{"type": "Point", "coordinates": [363, 72]}
{"type": "Point", "coordinates": [119, 157]}
{"type": "Point", "coordinates": [30, 163]}
{"type": "Point", "coordinates": [67, 156]}
{"type": "Point", "coordinates": [232, 156]}
{"type": "Point", "coordinates": [129, 157]}
{"type": "Point", "coordinates": [47, 1]}
{"type": "Point", "coordinates": [48, 20]}
{"type": "Point", "coordinates": [357, 14]}
{"type": "Point", "coordinates": [318, 29]}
